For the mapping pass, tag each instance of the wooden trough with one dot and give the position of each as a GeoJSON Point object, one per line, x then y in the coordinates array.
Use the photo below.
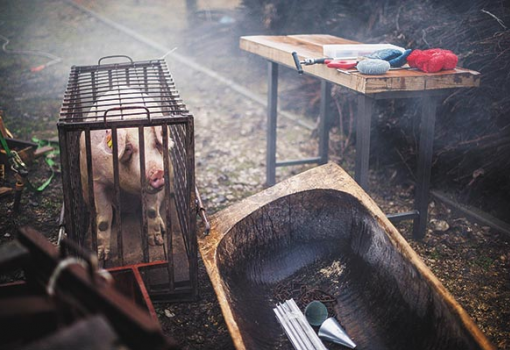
{"type": "Point", "coordinates": [320, 231]}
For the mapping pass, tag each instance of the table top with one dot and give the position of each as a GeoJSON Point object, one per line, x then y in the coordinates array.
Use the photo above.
{"type": "Point", "coordinates": [279, 49]}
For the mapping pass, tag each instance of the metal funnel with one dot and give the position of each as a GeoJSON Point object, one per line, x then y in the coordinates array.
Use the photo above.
{"type": "Point", "coordinates": [333, 332]}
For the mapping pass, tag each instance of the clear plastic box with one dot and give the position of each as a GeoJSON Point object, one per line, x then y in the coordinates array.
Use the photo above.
{"type": "Point", "coordinates": [355, 50]}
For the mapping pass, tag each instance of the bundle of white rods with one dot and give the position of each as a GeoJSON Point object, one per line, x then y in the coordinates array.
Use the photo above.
{"type": "Point", "coordinates": [299, 331]}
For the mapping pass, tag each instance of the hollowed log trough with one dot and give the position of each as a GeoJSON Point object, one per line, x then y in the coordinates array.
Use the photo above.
{"type": "Point", "coordinates": [384, 295]}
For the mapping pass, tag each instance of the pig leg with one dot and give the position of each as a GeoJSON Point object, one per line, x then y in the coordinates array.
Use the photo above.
{"type": "Point", "coordinates": [155, 221]}
{"type": "Point", "coordinates": [104, 218]}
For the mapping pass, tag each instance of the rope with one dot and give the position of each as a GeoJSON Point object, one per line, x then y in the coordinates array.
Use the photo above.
{"type": "Point", "coordinates": [62, 265]}
{"type": "Point", "coordinates": [53, 59]}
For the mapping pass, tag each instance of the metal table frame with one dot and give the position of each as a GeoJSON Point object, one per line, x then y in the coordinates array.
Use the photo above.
{"type": "Point", "coordinates": [272, 115]}
{"type": "Point", "coordinates": [366, 104]}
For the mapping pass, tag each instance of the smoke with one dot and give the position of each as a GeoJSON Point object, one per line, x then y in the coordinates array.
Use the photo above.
{"type": "Point", "coordinates": [472, 130]}
{"type": "Point", "coordinates": [472, 124]}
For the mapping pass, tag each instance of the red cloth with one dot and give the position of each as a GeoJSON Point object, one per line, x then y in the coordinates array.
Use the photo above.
{"type": "Point", "coordinates": [432, 60]}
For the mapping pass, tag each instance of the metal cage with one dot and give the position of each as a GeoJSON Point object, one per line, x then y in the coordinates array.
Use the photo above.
{"type": "Point", "coordinates": [101, 97]}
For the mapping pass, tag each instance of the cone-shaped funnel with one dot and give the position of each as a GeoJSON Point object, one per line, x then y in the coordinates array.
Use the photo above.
{"type": "Point", "coordinates": [316, 313]}
{"type": "Point", "coordinates": [333, 332]}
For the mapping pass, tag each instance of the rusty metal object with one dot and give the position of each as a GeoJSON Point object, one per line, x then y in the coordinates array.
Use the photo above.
{"type": "Point", "coordinates": [129, 280]}
{"type": "Point", "coordinates": [177, 281]}
{"type": "Point", "coordinates": [93, 332]}
{"type": "Point", "coordinates": [76, 295]}
{"type": "Point", "coordinates": [321, 230]}
{"type": "Point", "coordinates": [12, 254]}
{"type": "Point", "coordinates": [26, 318]}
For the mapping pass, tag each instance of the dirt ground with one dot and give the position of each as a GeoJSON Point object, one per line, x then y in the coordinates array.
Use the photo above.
{"type": "Point", "coordinates": [471, 260]}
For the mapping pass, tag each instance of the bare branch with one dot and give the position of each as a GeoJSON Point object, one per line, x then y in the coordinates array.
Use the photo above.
{"type": "Point", "coordinates": [496, 18]}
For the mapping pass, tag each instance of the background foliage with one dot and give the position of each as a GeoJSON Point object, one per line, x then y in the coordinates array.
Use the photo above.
{"type": "Point", "coordinates": [472, 145]}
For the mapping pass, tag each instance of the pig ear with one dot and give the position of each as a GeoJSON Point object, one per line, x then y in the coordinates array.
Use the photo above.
{"type": "Point", "coordinates": [121, 142]}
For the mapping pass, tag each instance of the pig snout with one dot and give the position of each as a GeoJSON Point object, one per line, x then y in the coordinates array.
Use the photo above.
{"type": "Point", "coordinates": [157, 179]}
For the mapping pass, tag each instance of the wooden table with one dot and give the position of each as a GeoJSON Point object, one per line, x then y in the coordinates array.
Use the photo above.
{"type": "Point", "coordinates": [403, 83]}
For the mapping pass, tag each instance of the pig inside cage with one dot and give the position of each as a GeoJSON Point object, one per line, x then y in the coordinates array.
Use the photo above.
{"type": "Point", "coordinates": [127, 152]}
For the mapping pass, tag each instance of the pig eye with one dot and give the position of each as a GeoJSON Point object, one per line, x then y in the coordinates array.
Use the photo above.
{"type": "Point", "coordinates": [128, 152]}
{"type": "Point", "coordinates": [159, 145]}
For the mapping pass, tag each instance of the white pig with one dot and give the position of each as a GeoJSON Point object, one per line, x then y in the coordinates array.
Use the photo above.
{"type": "Point", "coordinates": [129, 165]}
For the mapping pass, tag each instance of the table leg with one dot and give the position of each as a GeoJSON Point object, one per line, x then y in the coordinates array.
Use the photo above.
{"type": "Point", "coordinates": [272, 104]}
{"type": "Point", "coordinates": [324, 122]}
{"type": "Point", "coordinates": [363, 120]}
{"type": "Point", "coordinates": [421, 200]}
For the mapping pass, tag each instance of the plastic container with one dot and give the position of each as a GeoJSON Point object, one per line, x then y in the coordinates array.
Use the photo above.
{"type": "Point", "coordinates": [350, 51]}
